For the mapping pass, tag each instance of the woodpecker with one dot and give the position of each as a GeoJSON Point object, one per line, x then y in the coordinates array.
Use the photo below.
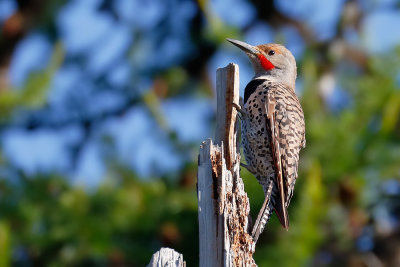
{"type": "Point", "coordinates": [273, 128]}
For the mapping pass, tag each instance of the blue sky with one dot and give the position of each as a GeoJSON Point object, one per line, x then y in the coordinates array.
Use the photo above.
{"type": "Point", "coordinates": [106, 44]}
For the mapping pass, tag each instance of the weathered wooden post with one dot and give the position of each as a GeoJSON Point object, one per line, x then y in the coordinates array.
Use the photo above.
{"type": "Point", "coordinates": [223, 204]}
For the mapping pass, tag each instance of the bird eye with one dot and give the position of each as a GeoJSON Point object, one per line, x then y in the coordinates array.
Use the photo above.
{"type": "Point", "coordinates": [271, 52]}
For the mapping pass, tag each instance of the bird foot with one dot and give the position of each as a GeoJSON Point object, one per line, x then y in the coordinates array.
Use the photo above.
{"type": "Point", "coordinates": [239, 109]}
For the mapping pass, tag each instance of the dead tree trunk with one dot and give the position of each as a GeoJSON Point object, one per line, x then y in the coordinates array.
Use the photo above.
{"type": "Point", "coordinates": [223, 204]}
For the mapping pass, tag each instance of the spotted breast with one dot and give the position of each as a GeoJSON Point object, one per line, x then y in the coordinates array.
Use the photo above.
{"type": "Point", "coordinates": [273, 132]}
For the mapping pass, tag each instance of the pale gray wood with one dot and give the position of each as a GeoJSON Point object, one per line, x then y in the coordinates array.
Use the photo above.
{"type": "Point", "coordinates": [227, 93]}
{"type": "Point", "coordinates": [223, 204]}
{"type": "Point", "coordinates": [167, 257]}
{"type": "Point", "coordinates": [211, 231]}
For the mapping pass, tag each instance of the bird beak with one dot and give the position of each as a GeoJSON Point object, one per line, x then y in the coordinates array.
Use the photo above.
{"type": "Point", "coordinates": [245, 47]}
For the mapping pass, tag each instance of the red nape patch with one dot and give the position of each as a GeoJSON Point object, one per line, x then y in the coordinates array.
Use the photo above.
{"type": "Point", "coordinates": [265, 63]}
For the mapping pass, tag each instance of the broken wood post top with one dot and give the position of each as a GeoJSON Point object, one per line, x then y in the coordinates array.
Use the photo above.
{"type": "Point", "coordinates": [227, 94]}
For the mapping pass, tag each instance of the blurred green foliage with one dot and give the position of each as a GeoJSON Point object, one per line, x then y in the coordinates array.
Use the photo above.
{"type": "Point", "coordinates": [118, 223]}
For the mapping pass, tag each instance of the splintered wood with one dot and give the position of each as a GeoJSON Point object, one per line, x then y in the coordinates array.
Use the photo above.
{"type": "Point", "coordinates": [223, 204]}
{"type": "Point", "coordinates": [227, 94]}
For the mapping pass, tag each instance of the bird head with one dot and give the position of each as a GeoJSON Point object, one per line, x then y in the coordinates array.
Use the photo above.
{"type": "Point", "coordinates": [270, 61]}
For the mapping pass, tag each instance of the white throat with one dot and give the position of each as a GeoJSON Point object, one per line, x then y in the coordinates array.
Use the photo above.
{"type": "Point", "coordinates": [274, 79]}
{"type": "Point", "coordinates": [263, 76]}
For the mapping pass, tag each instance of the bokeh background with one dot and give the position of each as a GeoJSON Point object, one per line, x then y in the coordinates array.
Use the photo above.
{"type": "Point", "coordinates": [103, 106]}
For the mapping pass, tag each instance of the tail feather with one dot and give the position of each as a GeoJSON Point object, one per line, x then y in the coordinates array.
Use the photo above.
{"type": "Point", "coordinates": [282, 213]}
{"type": "Point", "coordinates": [264, 213]}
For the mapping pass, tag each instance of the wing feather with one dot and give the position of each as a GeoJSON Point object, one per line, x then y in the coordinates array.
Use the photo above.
{"type": "Point", "coordinates": [280, 205]}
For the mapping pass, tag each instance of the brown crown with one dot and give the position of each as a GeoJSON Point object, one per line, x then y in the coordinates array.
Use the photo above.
{"type": "Point", "coordinates": [279, 49]}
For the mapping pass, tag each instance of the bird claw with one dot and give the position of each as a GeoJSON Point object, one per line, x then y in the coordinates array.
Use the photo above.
{"type": "Point", "coordinates": [239, 109]}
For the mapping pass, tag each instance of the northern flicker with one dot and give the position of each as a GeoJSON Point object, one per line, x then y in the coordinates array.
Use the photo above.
{"type": "Point", "coordinates": [273, 128]}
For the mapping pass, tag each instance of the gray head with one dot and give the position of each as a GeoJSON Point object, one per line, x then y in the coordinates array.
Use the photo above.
{"type": "Point", "coordinates": [271, 61]}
